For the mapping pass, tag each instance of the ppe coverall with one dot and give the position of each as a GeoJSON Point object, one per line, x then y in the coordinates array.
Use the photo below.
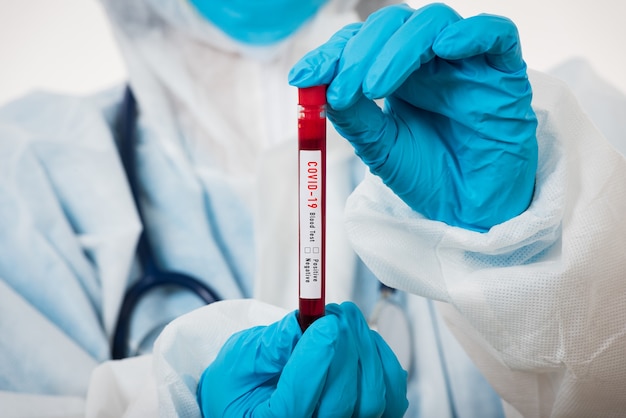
{"type": "Point", "coordinates": [537, 302]}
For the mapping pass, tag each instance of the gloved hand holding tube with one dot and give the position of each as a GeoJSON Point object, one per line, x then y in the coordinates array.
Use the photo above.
{"type": "Point", "coordinates": [338, 367]}
{"type": "Point", "coordinates": [456, 138]}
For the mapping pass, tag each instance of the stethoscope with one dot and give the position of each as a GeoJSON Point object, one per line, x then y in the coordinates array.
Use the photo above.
{"type": "Point", "coordinates": [152, 276]}
{"type": "Point", "coordinates": [390, 320]}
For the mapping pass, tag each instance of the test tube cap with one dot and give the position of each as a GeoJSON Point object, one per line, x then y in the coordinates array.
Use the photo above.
{"type": "Point", "coordinates": [312, 96]}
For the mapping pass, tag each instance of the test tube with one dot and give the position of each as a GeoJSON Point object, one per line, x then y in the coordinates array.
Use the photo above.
{"type": "Point", "coordinates": [312, 203]}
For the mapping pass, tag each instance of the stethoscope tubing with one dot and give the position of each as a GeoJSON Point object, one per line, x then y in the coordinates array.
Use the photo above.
{"type": "Point", "coordinates": [153, 276]}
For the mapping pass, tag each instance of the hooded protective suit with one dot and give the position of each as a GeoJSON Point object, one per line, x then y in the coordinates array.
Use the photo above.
{"type": "Point", "coordinates": [216, 136]}
{"type": "Point", "coordinates": [537, 302]}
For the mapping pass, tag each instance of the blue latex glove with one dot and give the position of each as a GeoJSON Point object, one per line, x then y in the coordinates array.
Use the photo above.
{"type": "Point", "coordinates": [338, 367]}
{"type": "Point", "coordinates": [456, 139]}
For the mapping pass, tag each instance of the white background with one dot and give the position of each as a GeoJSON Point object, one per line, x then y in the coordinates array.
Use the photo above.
{"type": "Point", "coordinates": [66, 45]}
{"type": "Point", "coordinates": [62, 45]}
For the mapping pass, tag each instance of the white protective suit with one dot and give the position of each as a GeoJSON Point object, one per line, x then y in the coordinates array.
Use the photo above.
{"type": "Point", "coordinates": [215, 161]}
{"type": "Point", "coordinates": [537, 302]}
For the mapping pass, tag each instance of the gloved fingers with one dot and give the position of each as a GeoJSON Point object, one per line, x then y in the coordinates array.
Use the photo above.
{"type": "Point", "coordinates": [395, 378]}
{"type": "Point", "coordinates": [370, 131]}
{"type": "Point", "coordinates": [495, 36]}
{"type": "Point", "coordinates": [360, 52]}
{"type": "Point", "coordinates": [407, 49]}
{"type": "Point", "coordinates": [341, 391]}
{"type": "Point", "coordinates": [319, 66]}
{"type": "Point", "coordinates": [269, 351]}
{"type": "Point", "coordinates": [214, 393]}
{"type": "Point", "coordinates": [372, 399]}
{"type": "Point", "coordinates": [301, 384]}
{"type": "Point", "coordinates": [249, 357]}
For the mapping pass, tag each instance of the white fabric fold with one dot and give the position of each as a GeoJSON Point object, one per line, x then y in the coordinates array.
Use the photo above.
{"type": "Point", "coordinates": [541, 294]}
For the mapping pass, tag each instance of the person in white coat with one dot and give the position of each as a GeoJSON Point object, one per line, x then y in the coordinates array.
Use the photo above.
{"type": "Point", "coordinates": [536, 300]}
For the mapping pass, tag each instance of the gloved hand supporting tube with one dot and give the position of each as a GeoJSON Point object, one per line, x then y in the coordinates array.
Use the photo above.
{"type": "Point", "coordinates": [456, 138]}
{"type": "Point", "coordinates": [338, 367]}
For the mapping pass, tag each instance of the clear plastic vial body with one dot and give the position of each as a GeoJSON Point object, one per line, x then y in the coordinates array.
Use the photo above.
{"type": "Point", "coordinates": [312, 203]}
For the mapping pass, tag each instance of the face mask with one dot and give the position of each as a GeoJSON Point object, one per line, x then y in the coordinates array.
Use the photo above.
{"type": "Point", "coordinates": [258, 22]}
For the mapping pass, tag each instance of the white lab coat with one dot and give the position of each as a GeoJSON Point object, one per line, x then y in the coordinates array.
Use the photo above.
{"type": "Point", "coordinates": [195, 199]}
